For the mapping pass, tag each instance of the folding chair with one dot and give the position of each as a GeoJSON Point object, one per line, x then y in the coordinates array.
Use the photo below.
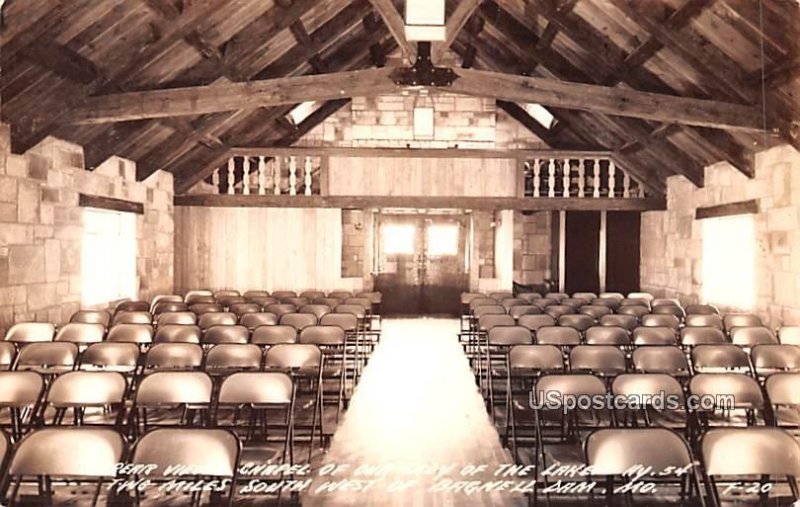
{"type": "Point", "coordinates": [702, 310]}
{"type": "Point", "coordinates": [82, 390]}
{"type": "Point", "coordinates": [724, 393]}
{"type": "Point", "coordinates": [618, 296]}
{"type": "Point", "coordinates": [693, 336]}
{"type": "Point", "coordinates": [173, 356]}
{"type": "Point", "coordinates": [280, 309]}
{"type": "Point", "coordinates": [263, 301]}
{"type": "Point", "coordinates": [529, 296]}
{"type": "Point", "coordinates": [168, 307]}
{"type": "Point", "coordinates": [733, 320]}
{"type": "Point", "coordinates": [202, 308]}
{"type": "Point", "coordinates": [610, 303]}
{"type": "Point", "coordinates": [770, 359]}
{"type": "Point", "coordinates": [20, 393]}
{"type": "Point", "coordinates": [557, 311]}
{"type": "Point", "coordinates": [664, 302]}
{"type": "Point", "coordinates": [228, 301]}
{"type": "Point", "coordinates": [31, 332]}
{"type": "Point", "coordinates": [260, 393]}
{"type": "Point", "coordinates": [225, 334]}
{"type": "Point", "coordinates": [660, 320]}
{"type": "Point", "coordinates": [132, 306]}
{"type": "Point", "coordinates": [579, 321]}
{"type": "Point", "coordinates": [318, 311]}
{"type": "Point", "coordinates": [720, 358]}
{"type": "Point", "coordinates": [599, 360]}
{"type": "Point", "coordinates": [285, 294]}
{"type": "Point", "coordinates": [636, 311]}
{"type": "Point", "coordinates": [655, 336]}
{"type": "Point", "coordinates": [172, 298]}
{"type": "Point", "coordinates": [628, 322]}
{"type": "Point", "coordinates": [756, 453]}
{"type": "Point", "coordinates": [188, 391]}
{"type": "Point", "coordinates": [608, 335]}
{"type": "Point", "coordinates": [8, 352]}
{"type": "Point", "coordinates": [500, 295]}
{"type": "Point", "coordinates": [562, 337]}
{"type": "Point", "coordinates": [332, 341]}
{"type": "Point", "coordinates": [507, 303]}
{"type": "Point", "coordinates": [225, 293]}
{"type": "Point", "coordinates": [207, 320]}
{"type": "Point", "coordinates": [81, 334]}
{"type": "Point", "coordinates": [227, 358]}
{"type": "Point", "coordinates": [194, 294]}
{"type": "Point", "coordinates": [77, 454]}
{"type": "Point", "coordinates": [783, 394]}
{"type": "Point", "coordinates": [251, 294]}
{"type": "Point", "coordinates": [329, 302]}
{"type": "Point", "coordinates": [676, 311]}
{"type": "Point", "coordinates": [178, 333]}
{"type": "Point", "coordinates": [298, 321]}
{"type": "Point", "coordinates": [256, 319]}
{"type": "Point", "coordinates": [340, 294]}
{"type": "Point", "coordinates": [500, 339]}
{"type": "Point", "coordinates": [311, 295]}
{"type": "Point", "coordinates": [91, 317]}
{"type": "Point", "coordinates": [595, 311]}
{"type": "Point", "coordinates": [573, 303]}
{"type": "Point", "coordinates": [789, 335]}
{"type": "Point", "coordinates": [111, 356]}
{"type": "Point", "coordinates": [616, 452]}
{"type": "Point", "coordinates": [361, 342]}
{"type": "Point", "coordinates": [141, 334]}
{"type": "Point", "coordinates": [518, 311]}
{"type": "Point", "coordinates": [207, 453]}
{"type": "Point", "coordinates": [645, 296]}
{"type": "Point", "coordinates": [272, 335]}
{"type": "Point", "coordinates": [543, 303]}
{"type": "Point", "coordinates": [297, 302]}
{"type": "Point", "coordinates": [47, 358]}
{"type": "Point", "coordinates": [558, 296]}
{"type": "Point", "coordinates": [704, 320]}
{"type": "Point", "coordinates": [586, 296]}
{"type": "Point", "coordinates": [661, 359]}
{"type": "Point", "coordinates": [179, 318]}
{"type": "Point", "coordinates": [655, 399]}
{"type": "Point", "coordinates": [201, 300]}
{"type": "Point", "coordinates": [750, 336]}
{"type": "Point", "coordinates": [304, 362]}
{"type": "Point", "coordinates": [132, 318]}
{"type": "Point", "coordinates": [241, 309]}
{"type": "Point", "coordinates": [535, 322]}
{"type": "Point", "coordinates": [526, 363]}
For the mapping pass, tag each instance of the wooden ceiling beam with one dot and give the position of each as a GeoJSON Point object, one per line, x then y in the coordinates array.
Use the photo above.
{"type": "Point", "coordinates": [301, 36]}
{"type": "Point", "coordinates": [397, 27]}
{"type": "Point", "coordinates": [231, 96]}
{"type": "Point", "coordinates": [519, 114]}
{"type": "Point", "coordinates": [464, 10]}
{"type": "Point", "coordinates": [62, 60]}
{"type": "Point", "coordinates": [608, 100]}
{"type": "Point", "coordinates": [169, 13]}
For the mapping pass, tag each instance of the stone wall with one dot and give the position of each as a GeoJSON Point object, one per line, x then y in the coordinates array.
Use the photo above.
{"type": "Point", "coordinates": [41, 228]}
{"type": "Point", "coordinates": [354, 238]}
{"type": "Point", "coordinates": [672, 242]}
{"type": "Point", "coordinates": [387, 121]}
{"type": "Point", "coordinates": [532, 247]}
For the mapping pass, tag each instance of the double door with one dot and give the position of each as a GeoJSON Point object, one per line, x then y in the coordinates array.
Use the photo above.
{"type": "Point", "coordinates": [421, 263]}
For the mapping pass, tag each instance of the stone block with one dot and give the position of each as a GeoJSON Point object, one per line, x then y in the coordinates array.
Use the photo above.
{"type": "Point", "coordinates": [52, 248]}
{"type": "Point", "coordinates": [15, 234]}
{"type": "Point", "coordinates": [8, 189]}
{"type": "Point", "coordinates": [28, 202]}
{"type": "Point", "coordinates": [8, 212]}
{"type": "Point", "coordinates": [26, 264]}
{"type": "Point", "coordinates": [17, 165]}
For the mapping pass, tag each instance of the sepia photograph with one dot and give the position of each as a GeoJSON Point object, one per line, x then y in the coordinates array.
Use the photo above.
{"type": "Point", "coordinates": [400, 253]}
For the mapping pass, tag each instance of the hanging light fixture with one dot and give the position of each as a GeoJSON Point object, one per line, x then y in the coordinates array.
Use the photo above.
{"type": "Point", "coordinates": [425, 20]}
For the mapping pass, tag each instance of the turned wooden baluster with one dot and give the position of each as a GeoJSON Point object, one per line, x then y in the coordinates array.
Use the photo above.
{"type": "Point", "coordinates": [215, 180]}
{"type": "Point", "coordinates": [293, 175]}
{"type": "Point", "coordinates": [596, 179]}
{"type": "Point", "coordinates": [307, 175]}
{"type": "Point", "coordinates": [581, 178]}
{"type": "Point", "coordinates": [276, 173]}
{"type": "Point", "coordinates": [262, 177]}
{"type": "Point", "coordinates": [567, 181]}
{"type": "Point", "coordinates": [536, 175]}
{"type": "Point", "coordinates": [246, 175]}
{"type": "Point", "coordinates": [231, 169]}
{"type": "Point", "coordinates": [641, 189]}
{"type": "Point", "coordinates": [612, 178]}
{"type": "Point", "coordinates": [551, 178]}
{"type": "Point", "coordinates": [626, 184]}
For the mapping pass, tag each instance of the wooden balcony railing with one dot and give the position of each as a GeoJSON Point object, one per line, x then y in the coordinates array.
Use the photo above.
{"type": "Point", "coordinates": [591, 177]}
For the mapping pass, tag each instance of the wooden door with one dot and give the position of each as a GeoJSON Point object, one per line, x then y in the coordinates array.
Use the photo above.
{"type": "Point", "coordinates": [421, 264]}
{"type": "Point", "coordinates": [582, 251]}
{"type": "Point", "coordinates": [622, 251]}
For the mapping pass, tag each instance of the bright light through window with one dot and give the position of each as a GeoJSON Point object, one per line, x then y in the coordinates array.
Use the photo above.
{"type": "Point", "coordinates": [541, 115]}
{"type": "Point", "coordinates": [108, 256]}
{"type": "Point", "coordinates": [301, 112]}
{"type": "Point", "coordinates": [729, 245]}
{"type": "Point", "coordinates": [398, 238]}
{"type": "Point", "coordinates": [442, 239]}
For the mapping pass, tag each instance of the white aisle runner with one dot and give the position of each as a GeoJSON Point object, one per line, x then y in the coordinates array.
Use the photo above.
{"type": "Point", "coordinates": [417, 404]}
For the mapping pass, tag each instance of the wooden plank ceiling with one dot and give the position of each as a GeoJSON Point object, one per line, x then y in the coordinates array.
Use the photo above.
{"type": "Point", "coordinates": [102, 72]}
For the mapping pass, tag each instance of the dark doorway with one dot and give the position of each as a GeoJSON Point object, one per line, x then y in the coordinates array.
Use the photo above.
{"type": "Point", "coordinates": [421, 264]}
{"type": "Point", "coordinates": [582, 251]}
{"type": "Point", "coordinates": [622, 251]}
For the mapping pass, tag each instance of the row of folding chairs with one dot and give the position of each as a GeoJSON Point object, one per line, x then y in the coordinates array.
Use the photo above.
{"type": "Point", "coordinates": [180, 376]}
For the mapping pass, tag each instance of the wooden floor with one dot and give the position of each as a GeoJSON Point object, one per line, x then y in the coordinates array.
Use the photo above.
{"type": "Point", "coordinates": [417, 405]}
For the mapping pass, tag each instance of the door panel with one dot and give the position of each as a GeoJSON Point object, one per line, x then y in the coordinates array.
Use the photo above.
{"type": "Point", "coordinates": [622, 251]}
{"type": "Point", "coordinates": [582, 251]}
{"type": "Point", "coordinates": [421, 264]}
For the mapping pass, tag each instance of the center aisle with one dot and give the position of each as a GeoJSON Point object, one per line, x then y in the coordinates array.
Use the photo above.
{"type": "Point", "coordinates": [416, 404]}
